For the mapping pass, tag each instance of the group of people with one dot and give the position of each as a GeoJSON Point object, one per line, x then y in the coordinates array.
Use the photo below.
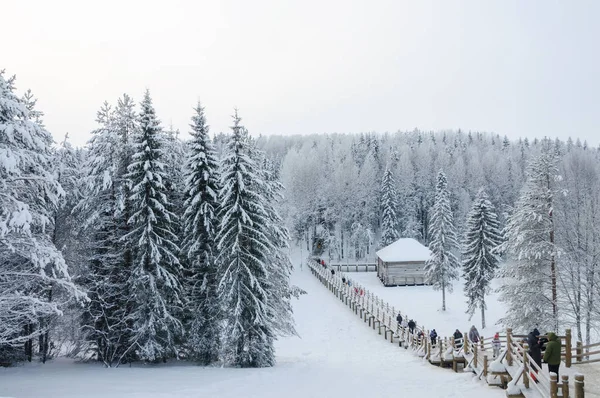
{"type": "Point", "coordinates": [551, 347]}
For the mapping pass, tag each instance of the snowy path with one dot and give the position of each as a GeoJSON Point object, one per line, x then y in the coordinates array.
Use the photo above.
{"type": "Point", "coordinates": [337, 356]}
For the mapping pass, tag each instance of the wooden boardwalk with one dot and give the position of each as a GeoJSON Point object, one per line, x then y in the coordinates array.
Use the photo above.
{"type": "Point", "coordinates": [512, 369]}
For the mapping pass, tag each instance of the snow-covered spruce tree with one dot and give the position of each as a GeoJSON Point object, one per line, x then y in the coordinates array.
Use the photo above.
{"type": "Point", "coordinates": [246, 258]}
{"type": "Point", "coordinates": [479, 257]}
{"type": "Point", "coordinates": [389, 219]}
{"type": "Point", "coordinates": [155, 277]}
{"type": "Point", "coordinates": [530, 274]}
{"type": "Point", "coordinates": [442, 266]}
{"type": "Point", "coordinates": [200, 224]}
{"type": "Point", "coordinates": [30, 264]}
{"type": "Point", "coordinates": [106, 323]}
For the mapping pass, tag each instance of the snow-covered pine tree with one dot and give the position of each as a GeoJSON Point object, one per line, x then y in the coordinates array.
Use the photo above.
{"type": "Point", "coordinates": [389, 219]}
{"type": "Point", "coordinates": [442, 266]}
{"type": "Point", "coordinates": [245, 253]}
{"type": "Point", "coordinates": [106, 325]}
{"type": "Point", "coordinates": [30, 264]}
{"type": "Point", "coordinates": [530, 288]}
{"type": "Point", "coordinates": [155, 277]}
{"type": "Point", "coordinates": [280, 292]}
{"type": "Point", "coordinates": [479, 257]}
{"type": "Point", "coordinates": [199, 249]}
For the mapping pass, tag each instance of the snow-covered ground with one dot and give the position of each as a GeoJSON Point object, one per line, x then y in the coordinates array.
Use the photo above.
{"type": "Point", "coordinates": [336, 356]}
{"type": "Point", "coordinates": [423, 304]}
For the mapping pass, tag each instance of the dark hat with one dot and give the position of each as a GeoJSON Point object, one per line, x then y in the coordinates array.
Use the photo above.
{"type": "Point", "coordinates": [536, 332]}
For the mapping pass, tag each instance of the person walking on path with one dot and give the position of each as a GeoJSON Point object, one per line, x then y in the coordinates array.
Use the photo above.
{"type": "Point", "coordinates": [474, 334]}
{"type": "Point", "coordinates": [399, 319]}
{"type": "Point", "coordinates": [552, 354]}
{"type": "Point", "coordinates": [496, 345]}
{"type": "Point", "coordinates": [433, 336]}
{"type": "Point", "coordinates": [458, 339]}
{"type": "Point", "coordinates": [411, 326]}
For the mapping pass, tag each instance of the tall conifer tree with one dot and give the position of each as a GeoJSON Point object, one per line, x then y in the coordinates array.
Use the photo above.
{"type": "Point", "coordinates": [155, 279]}
{"type": "Point", "coordinates": [480, 260]}
{"type": "Point", "coordinates": [389, 219]}
{"type": "Point", "coordinates": [200, 225]}
{"type": "Point", "coordinates": [245, 251]}
{"type": "Point", "coordinates": [442, 267]}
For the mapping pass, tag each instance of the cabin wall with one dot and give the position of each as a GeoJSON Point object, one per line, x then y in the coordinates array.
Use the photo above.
{"type": "Point", "coordinates": [403, 273]}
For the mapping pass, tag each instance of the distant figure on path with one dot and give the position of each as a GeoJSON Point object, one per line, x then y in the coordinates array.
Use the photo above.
{"type": "Point", "coordinates": [404, 323]}
{"type": "Point", "coordinates": [535, 347]}
{"type": "Point", "coordinates": [474, 334]}
{"type": "Point", "coordinates": [332, 272]}
{"type": "Point", "coordinates": [399, 319]}
{"type": "Point", "coordinates": [552, 354]}
{"type": "Point", "coordinates": [433, 336]}
{"type": "Point", "coordinates": [344, 280]}
{"type": "Point", "coordinates": [411, 326]}
{"type": "Point", "coordinates": [458, 339]}
{"type": "Point", "coordinates": [496, 345]}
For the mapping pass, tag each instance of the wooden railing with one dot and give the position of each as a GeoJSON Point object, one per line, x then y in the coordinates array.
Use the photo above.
{"type": "Point", "coordinates": [587, 353]}
{"type": "Point", "coordinates": [354, 267]}
{"type": "Point", "coordinates": [517, 367]}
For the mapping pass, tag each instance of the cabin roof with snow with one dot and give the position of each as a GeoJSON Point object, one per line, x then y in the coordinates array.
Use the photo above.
{"type": "Point", "coordinates": [404, 250]}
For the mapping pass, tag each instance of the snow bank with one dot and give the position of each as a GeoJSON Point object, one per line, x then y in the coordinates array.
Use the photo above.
{"type": "Point", "coordinates": [497, 366]}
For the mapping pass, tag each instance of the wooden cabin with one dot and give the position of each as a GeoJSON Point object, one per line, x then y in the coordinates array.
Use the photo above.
{"type": "Point", "coordinates": [403, 263]}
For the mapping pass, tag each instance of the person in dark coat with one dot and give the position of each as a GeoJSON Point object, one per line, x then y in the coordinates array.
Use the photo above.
{"type": "Point", "coordinates": [399, 319]}
{"type": "Point", "coordinates": [433, 336]}
{"type": "Point", "coordinates": [535, 348]}
{"type": "Point", "coordinates": [344, 280]}
{"type": "Point", "coordinates": [458, 339]}
{"type": "Point", "coordinates": [332, 272]}
{"type": "Point", "coordinates": [411, 326]}
{"type": "Point", "coordinates": [474, 334]}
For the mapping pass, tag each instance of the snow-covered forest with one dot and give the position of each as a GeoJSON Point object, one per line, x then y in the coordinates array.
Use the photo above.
{"type": "Point", "coordinates": [146, 245]}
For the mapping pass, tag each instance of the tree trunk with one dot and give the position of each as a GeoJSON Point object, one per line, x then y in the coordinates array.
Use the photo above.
{"type": "Point", "coordinates": [443, 297]}
{"type": "Point", "coordinates": [482, 315]}
{"type": "Point", "coordinates": [552, 261]}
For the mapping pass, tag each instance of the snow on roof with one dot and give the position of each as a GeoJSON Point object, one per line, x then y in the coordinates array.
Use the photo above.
{"type": "Point", "coordinates": [404, 249]}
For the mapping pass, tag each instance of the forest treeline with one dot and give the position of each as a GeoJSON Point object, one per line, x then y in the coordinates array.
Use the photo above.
{"type": "Point", "coordinates": [543, 197]}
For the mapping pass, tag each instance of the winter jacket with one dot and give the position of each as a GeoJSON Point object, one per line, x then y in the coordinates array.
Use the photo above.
{"type": "Point", "coordinates": [399, 319]}
{"type": "Point", "coordinates": [535, 348]}
{"type": "Point", "coordinates": [411, 325]}
{"type": "Point", "coordinates": [496, 343]}
{"type": "Point", "coordinates": [474, 335]}
{"type": "Point", "coordinates": [552, 354]}
{"type": "Point", "coordinates": [433, 335]}
{"type": "Point", "coordinates": [458, 339]}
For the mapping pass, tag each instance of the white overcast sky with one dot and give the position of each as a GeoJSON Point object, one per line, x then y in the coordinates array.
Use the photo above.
{"type": "Point", "coordinates": [516, 67]}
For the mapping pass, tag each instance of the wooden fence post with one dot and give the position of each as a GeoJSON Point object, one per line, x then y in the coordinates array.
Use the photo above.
{"type": "Point", "coordinates": [475, 355]}
{"type": "Point", "coordinates": [553, 385]}
{"type": "Point", "coordinates": [509, 357]}
{"type": "Point", "coordinates": [485, 365]}
{"type": "Point", "coordinates": [525, 365]}
{"type": "Point", "coordinates": [579, 352]}
{"type": "Point", "coordinates": [568, 348]}
{"type": "Point", "coordinates": [579, 384]}
{"type": "Point", "coordinates": [565, 386]}
{"type": "Point", "coordinates": [465, 343]}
